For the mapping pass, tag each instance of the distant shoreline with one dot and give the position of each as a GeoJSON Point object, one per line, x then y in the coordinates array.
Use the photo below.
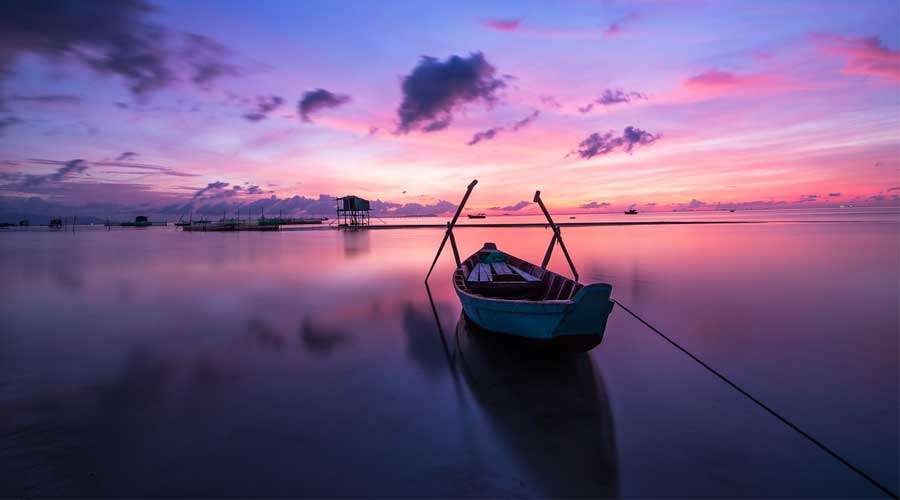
{"type": "Point", "coordinates": [530, 224]}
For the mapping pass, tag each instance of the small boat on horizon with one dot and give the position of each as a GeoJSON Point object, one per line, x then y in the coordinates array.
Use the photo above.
{"type": "Point", "coordinates": [479, 215]}
{"type": "Point", "coordinates": [631, 211]}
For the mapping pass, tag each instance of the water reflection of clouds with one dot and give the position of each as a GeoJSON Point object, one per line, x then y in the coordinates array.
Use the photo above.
{"type": "Point", "coordinates": [228, 375]}
{"type": "Point", "coordinates": [264, 334]}
{"type": "Point", "coordinates": [82, 442]}
{"type": "Point", "coordinates": [320, 339]}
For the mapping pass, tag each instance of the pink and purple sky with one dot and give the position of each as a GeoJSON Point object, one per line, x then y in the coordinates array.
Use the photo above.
{"type": "Point", "coordinates": [600, 104]}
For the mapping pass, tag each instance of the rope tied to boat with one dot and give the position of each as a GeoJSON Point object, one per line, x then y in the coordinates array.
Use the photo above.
{"type": "Point", "coordinates": [764, 406]}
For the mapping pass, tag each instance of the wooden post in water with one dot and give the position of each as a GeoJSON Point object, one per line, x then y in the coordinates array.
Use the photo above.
{"type": "Point", "coordinates": [449, 233]}
{"type": "Point", "coordinates": [453, 246]}
{"type": "Point", "coordinates": [557, 237]}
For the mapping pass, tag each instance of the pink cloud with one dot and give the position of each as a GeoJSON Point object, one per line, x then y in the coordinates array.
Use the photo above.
{"type": "Point", "coordinates": [503, 24]}
{"type": "Point", "coordinates": [715, 79]}
{"type": "Point", "coordinates": [714, 82]}
{"type": "Point", "coordinates": [863, 56]}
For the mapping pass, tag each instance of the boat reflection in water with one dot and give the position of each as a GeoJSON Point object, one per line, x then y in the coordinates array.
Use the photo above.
{"type": "Point", "coordinates": [550, 409]}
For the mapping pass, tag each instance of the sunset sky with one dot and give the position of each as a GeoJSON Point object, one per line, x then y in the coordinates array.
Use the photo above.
{"type": "Point", "coordinates": [660, 104]}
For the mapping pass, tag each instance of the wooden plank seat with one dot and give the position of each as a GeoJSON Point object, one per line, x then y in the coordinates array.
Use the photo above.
{"type": "Point", "coordinates": [499, 279]}
{"type": "Point", "coordinates": [502, 272]}
{"type": "Point", "coordinates": [525, 276]}
{"type": "Point", "coordinates": [481, 273]}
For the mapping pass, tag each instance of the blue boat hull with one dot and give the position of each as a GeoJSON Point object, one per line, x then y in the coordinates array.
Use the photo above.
{"type": "Point", "coordinates": [578, 323]}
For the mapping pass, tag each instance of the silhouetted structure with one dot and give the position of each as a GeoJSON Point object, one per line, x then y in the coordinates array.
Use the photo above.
{"type": "Point", "coordinates": [352, 211]}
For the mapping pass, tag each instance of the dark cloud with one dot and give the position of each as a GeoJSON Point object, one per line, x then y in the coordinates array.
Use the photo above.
{"type": "Point", "coordinates": [518, 206]}
{"type": "Point", "coordinates": [113, 37]}
{"type": "Point", "coordinates": [48, 99]}
{"type": "Point", "coordinates": [436, 125]}
{"type": "Point", "coordinates": [503, 24]}
{"type": "Point", "coordinates": [264, 106]}
{"type": "Point", "coordinates": [834, 194]}
{"type": "Point", "coordinates": [600, 144]}
{"type": "Point", "coordinates": [613, 30]}
{"type": "Point", "coordinates": [594, 204]}
{"type": "Point", "coordinates": [146, 168]}
{"type": "Point", "coordinates": [489, 134]}
{"type": "Point", "coordinates": [127, 155]}
{"type": "Point", "coordinates": [67, 169]}
{"type": "Point", "coordinates": [255, 116]}
{"type": "Point", "coordinates": [618, 27]}
{"type": "Point", "coordinates": [895, 188]}
{"type": "Point", "coordinates": [550, 101]}
{"type": "Point", "coordinates": [484, 135]}
{"type": "Point", "coordinates": [525, 121]}
{"type": "Point", "coordinates": [318, 99]}
{"type": "Point", "coordinates": [207, 59]}
{"type": "Point", "coordinates": [254, 190]}
{"type": "Point", "coordinates": [324, 205]}
{"type": "Point", "coordinates": [435, 89]}
{"type": "Point", "coordinates": [8, 121]}
{"type": "Point", "coordinates": [211, 187]}
{"type": "Point", "coordinates": [612, 97]}
{"type": "Point", "coordinates": [695, 203]}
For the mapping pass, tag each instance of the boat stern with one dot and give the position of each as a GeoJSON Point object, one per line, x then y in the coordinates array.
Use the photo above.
{"type": "Point", "coordinates": [587, 314]}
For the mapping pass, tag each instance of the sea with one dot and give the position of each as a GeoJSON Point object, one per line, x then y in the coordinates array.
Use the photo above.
{"type": "Point", "coordinates": [151, 362]}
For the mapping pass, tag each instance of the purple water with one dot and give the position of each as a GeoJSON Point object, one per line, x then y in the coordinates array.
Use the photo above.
{"type": "Point", "coordinates": [151, 362]}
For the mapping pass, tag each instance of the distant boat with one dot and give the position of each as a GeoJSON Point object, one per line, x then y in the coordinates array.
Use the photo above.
{"type": "Point", "coordinates": [572, 217]}
{"type": "Point", "coordinates": [731, 210]}
{"type": "Point", "coordinates": [479, 215]}
{"type": "Point", "coordinates": [505, 294]}
{"type": "Point", "coordinates": [631, 211]}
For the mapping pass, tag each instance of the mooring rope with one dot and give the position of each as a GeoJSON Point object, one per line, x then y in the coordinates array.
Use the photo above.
{"type": "Point", "coordinates": [762, 405]}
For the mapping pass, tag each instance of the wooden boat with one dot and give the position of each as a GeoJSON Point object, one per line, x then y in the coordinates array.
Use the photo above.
{"type": "Point", "coordinates": [505, 294]}
{"type": "Point", "coordinates": [516, 297]}
{"type": "Point", "coordinates": [477, 216]}
{"type": "Point", "coordinates": [631, 211]}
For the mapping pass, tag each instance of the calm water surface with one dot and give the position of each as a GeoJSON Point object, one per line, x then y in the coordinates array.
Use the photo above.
{"type": "Point", "coordinates": [159, 363]}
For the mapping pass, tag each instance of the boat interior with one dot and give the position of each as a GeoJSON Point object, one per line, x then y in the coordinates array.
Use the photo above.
{"type": "Point", "coordinates": [492, 273]}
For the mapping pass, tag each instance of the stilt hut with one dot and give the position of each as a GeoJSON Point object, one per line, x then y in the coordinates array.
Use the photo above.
{"type": "Point", "coordinates": [352, 211]}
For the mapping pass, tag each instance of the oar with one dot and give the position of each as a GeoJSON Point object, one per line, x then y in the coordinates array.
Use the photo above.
{"type": "Point", "coordinates": [452, 223]}
{"type": "Point", "coordinates": [557, 237]}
